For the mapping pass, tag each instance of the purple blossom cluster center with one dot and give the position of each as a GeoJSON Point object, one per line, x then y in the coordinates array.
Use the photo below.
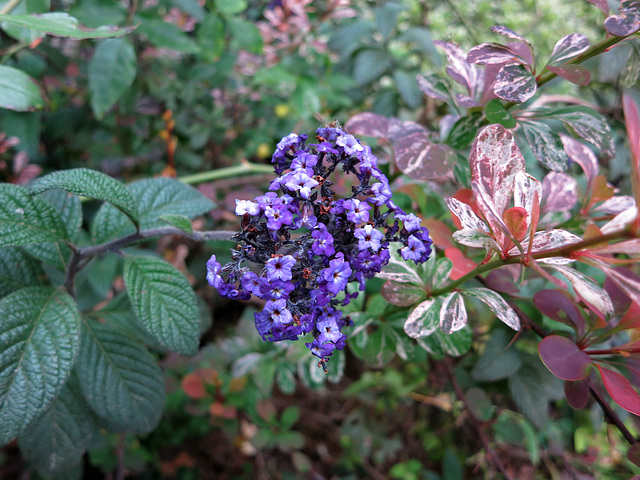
{"type": "Point", "coordinates": [300, 249]}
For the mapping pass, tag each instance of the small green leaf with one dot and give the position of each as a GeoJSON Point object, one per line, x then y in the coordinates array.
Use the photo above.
{"type": "Point", "coordinates": [18, 91]}
{"type": "Point", "coordinates": [92, 184]}
{"type": "Point", "coordinates": [167, 35]}
{"type": "Point", "coordinates": [496, 113]}
{"type": "Point", "coordinates": [178, 221]}
{"type": "Point", "coordinates": [18, 270]}
{"type": "Point", "coordinates": [498, 361]}
{"type": "Point", "coordinates": [40, 338]}
{"type": "Point", "coordinates": [164, 302]}
{"type": "Point", "coordinates": [62, 25]}
{"type": "Point", "coordinates": [26, 220]}
{"type": "Point", "coordinates": [231, 7]}
{"type": "Point", "coordinates": [120, 379]}
{"type": "Point", "coordinates": [155, 197]}
{"type": "Point", "coordinates": [112, 70]}
{"type": "Point", "coordinates": [464, 130]}
{"type": "Point", "coordinates": [369, 65]}
{"type": "Point", "coordinates": [56, 440]}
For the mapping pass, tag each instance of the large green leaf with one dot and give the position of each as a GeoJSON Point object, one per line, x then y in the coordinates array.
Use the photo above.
{"type": "Point", "coordinates": [18, 270]}
{"type": "Point", "coordinates": [498, 361]}
{"type": "Point", "coordinates": [18, 91]}
{"type": "Point", "coordinates": [120, 379]}
{"type": "Point", "coordinates": [70, 210]}
{"type": "Point", "coordinates": [167, 35]}
{"type": "Point", "coordinates": [40, 339]}
{"type": "Point", "coordinates": [61, 24]}
{"type": "Point", "coordinates": [155, 197]}
{"type": "Point", "coordinates": [92, 184]}
{"type": "Point", "coordinates": [56, 440]}
{"type": "Point", "coordinates": [26, 220]}
{"type": "Point", "coordinates": [164, 302]}
{"type": "Point", "coordinates": [112, 70]}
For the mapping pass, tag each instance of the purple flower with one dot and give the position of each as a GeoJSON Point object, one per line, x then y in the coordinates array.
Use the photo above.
{"type": "Point", "coordinates": [279, 268]}
{"type": "Point", "coordinates": [302, 183]}
{"type": "Point", "coordinates": [329, 331]}
{"type": "Point", "coordinates": [275, 289]}
{"type": "Point", "coordinates": [304, 162]}
{"type": "Point", "coordinates": [410, 221]}
{"type": "Point", "coordinates": [368, 237]}
{"type": "Point", "coordinates": [329, 134]}
{"type": "Point", "coordinates": [358, 212]}
{"type": "Point", "coordinates": [252, 283]}
{"type": "Point", "coordinates": [278, 311]}
{"type": "Point", "coordinates": [324, 241]}
{"type": "Point", "coordinates": [349, 143]}
{"type": "Point", "coordinates": [337, 274]}
{"type": "Point", "coordinates": [414, 249]}
{"type": "Point", "coordinates": [213, 272]}
{"type": "Point", "coordinates": [382, 193]}
{"type": "Point", "coordinates": [319, 349]}
{"type": "Point", "coordinates": [247, 206]}
{"type": "Point", "coordinates": [277, 216]}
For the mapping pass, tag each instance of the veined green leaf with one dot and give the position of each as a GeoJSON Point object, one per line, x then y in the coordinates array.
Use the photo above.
{"type": "Point", "coordinates": [61, 24]}
{"type": "Point", "coordinates": [112, 71]}
{"type": "Point", "coordinates": [56, 440]}
{"type": "Point", "coordinates": [92, 184]}
{"type": "Point", "coordinates": [26, 220]}
{"type": "Point", "coordinates": [164, 302]}
{"type": "Point", "coordinates": [156, 197]}
{"type": "Point", "coordinates": [178, 221]}
{"type": "Point", "coordinates": [120, 379]}
{"type": "Point", "coordinates": [18, 91]}
{"type": "Point", "coordinates": [40, 339]}
{"type": "Point", "coordinates": [18, 270]}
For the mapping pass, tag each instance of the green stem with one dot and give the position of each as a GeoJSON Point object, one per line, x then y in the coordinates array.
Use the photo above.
{"type": "Point", "coordinates": [222, 173]}
{"type": "Point", "coordinates": [10, 5]}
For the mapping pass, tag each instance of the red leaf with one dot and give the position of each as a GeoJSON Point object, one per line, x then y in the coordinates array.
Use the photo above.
{"type": "Point", "coordinates": [559, 306]}
{"type": "Point", "coordinates": [465, 195]}
{"type": "Point", "coordinates": [193, 386]}
{"type": "Point", "coordinates": [563, 358]}
{"type": "Point", "coordinates": [601, 4]}
{"type": "Point", "coordinates": [504, 279]}
{"type": "Point", "coordinates": [461, 264]}
{"type": "Point", "coordinates": [439, 233]}
{"type": "Point", "coordinates": [600, 190]}
{"type": "Point", "coordinates": [631, 319]}
{"type": "Point", "coordinates": [368, 124]}
{"type": "Point", "coordinates": [577, 393]}
{"type": "Point", "coordinates": [620, 390]}
{"type": "Point", "coordinates": [633, 455]}
{"type": "Point", "coordinates": [578, 74]}
{"type": "Point", "coordinates": [515, 219]}
{"type": "Point", "coordinates": [632, 119]}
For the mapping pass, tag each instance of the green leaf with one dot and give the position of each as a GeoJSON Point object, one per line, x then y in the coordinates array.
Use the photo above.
{"type": "Point", "coordinates": [167, 35]}
{"type": "Point", "coordinates": [464, 130]}
{"type": "Point", "coordinates": [589, 124]}
{"type": "Point", "coordinates": [285, 379]}
{"type": "Point", "coordinates": [56, 440]}
{"type": "Point", "coordinates": [120, 379]}
{"type": "Point", "coordinates": [455, 344]}
{"type": "Point", "coordinates": [18, 91]}
{"type": "Point", "coordinates": [532, 387]}
{"type": "Point", "coordinates": [178, 221]}
{"type": "Point", "coordinates": [164, 302]}
{"type": "Point", "coordinates": [18, 270]}
{"type": "Point", "coordinates": [231, 7]}
{"type": "Point", "coordinates": [112, 70]}
{"type": "Point", "coordinates": [21, 34]}
{"type": "Point", "coordinates": [70, 210]}
{"type": "Point", "coordinates": [546, 146]}
{"type": "Point", "coordinates": [92, 184]}
{"type": "Point", "coordinates": [244, 35]}
{"type": "Point", "coordinates": [369, 65]}
{"type": "Point", "coordinates": [496, 113]}
{"type": "Point", "coordinates": [400, 271]}
{"type": "Point", "coordinates": [408, 88]}
{"type": "Point", "coordinates": [26, 220]}
{"type": "Point", "coordinates": [212, 38]}
{"type": "Point", "coordinates": [498, 361]}
{"type": "Point", "coordinates": [27, 127]}
{"type": "Point", "coordinates": [40, 338]}
{"type": "Point", "coordinates": [155, 197]}
{"type": "Point", "coordinates": [62, 25]}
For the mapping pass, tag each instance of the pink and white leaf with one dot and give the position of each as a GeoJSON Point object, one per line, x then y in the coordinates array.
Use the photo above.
{"type": "Point", "coordinates": [459, 68]}
{"type": "Point", "coordinates": [620, 221]}
{"type": "Point", "coordinates": [632, 119]}
{"type": "Point", "coordinates": [560, 192]}
{"type": "Point", "coordinates": [624, 278]}
{"type": "Point", "coordinates": [582, 155]}
{"type": "Point", "coordinates": [433, 87]}
{"type": "Point", "coordinates": [476, 238]}
{"type": "Point", "coordinates": [402, 294]}
{"type": "Point", "coordinates": [514, 83]}
{"type": "Point", "coordinates": [576, 74]}
{"type": "Point", "coordinates": [568, 47]}
{"type": "Point", "coordinates": [424, 319]}
{"type": "Point", "coordinates": [493, 54]}
{"type": "Point", "coordinates": [453, 314]}
{"type": "Point", "coordinates": [507, 32]}
{"type": "Point", "coordinates": [368, 124]}
{"type": "Point", "coordinates": [399, 270]}
{"type": "Point", "coordinates": [495, 160]}
{"type": "Point", "coordinates": [628, 247]}
{"type": "Point", "coordinates": [527, 191]}
{"type": "Point", "coordinates": [466, 215]}
{"type": "Point", "coordinates": [497, 304]}
{"type": "Point", "coordinates": [616, 205]}
{"type": "Point", "coordinates": [592, 294]}
{"type": "Point", "coordinates": [488, 208]}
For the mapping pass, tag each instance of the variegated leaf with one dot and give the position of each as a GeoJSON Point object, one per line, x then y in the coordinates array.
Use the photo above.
{"type": "Point", "coordinates": [576, 74]}
{"type": "Point", "coordinates": [615, 205]}
{"type": "Point", "coordinates": [526, 194]}
{"type": "Point", "coordinates": [560, 192]}
{"type": "Point", "coordinates": [368, 124]}
{"type": "Point", "coordinates": [453, 314]}
{"type": "Point", "coordinates": [493, 54]}
{"type": "Point", "coordinates": [582, 155]}
{"type": "Point", "coordinates": [443, 269]}
{"type": "Point", "coordinates": [628, 247]}
{"type": "Point", "coordinates": [497, 304]}
{"type": "Point", "coordinates": [620, 221]}
{"type": "Point", "coordinates": [459, 68]}
{"type": "Point", "coordinates": [434, 87]}
{"type": "Point", "coordinates": [568, 47]}
{"type": "Point", "coordinates": [514, 83]}
{"type": "Point", "coordinates": [546, 145]}
{"type": "Point", "coordinates": [402, 294]}
{"type": "Point", "coordinates": [466, 215]}
{"type": "Point", "coordinates": [476, 238]}
{"type": "Point", "coordinates": [424, 319]}
{"type": "Point", "coordinates": [596, 298]}
{"type": "Point", "coordinates": [590, 125]}
{"type": "Point", "coordinates": [399, 270]}
{"type": "Point", "coordinates": [507, 32]}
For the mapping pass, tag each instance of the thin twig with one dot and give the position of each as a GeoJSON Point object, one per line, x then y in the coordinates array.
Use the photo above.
{"type": "Point", "coordinates": [476, 422]}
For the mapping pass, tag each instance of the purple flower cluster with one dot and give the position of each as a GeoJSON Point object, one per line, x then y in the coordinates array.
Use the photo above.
{"type": "Point", "coordinates": [300, 249]}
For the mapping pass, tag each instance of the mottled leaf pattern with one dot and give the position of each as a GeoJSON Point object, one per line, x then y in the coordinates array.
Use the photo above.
{"type": "Point", "coordinates": [590, 125]}
{"type": "Point", "coordinates": [514, 83]}
{"type": "Point", "coordinates": [627, 22]}
{"type": "Point", "coordinates": [424, 319]}
{"type": "Point", "coordinates": [453, 314]}
{"type": "Point", "coordinates": [493, 54]}
{"type": "Point", "coordinates": [368, 124]}
{"type": "Point", "coordinates": [546, 145]}
{"type": "Point", "coordinates": [568, 47]}
{"type": "Point", "coordinates": [578, 74]}
{"type": "Point", "coordinates": [497, 304]}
